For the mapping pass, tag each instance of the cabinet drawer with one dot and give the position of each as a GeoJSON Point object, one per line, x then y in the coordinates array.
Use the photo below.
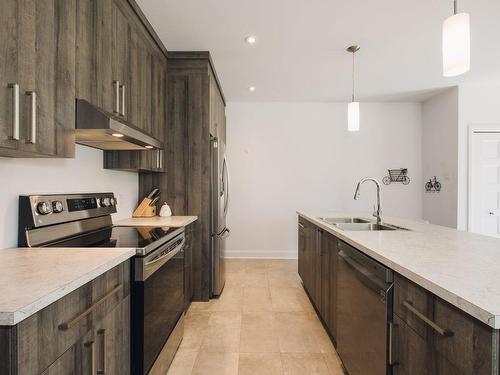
{"type": "Point", "coordinates": [407, 293]}
{"type": "Point", "coordinates": [45, 336]}
{"type": "Point", "coordinates": [472, 346]}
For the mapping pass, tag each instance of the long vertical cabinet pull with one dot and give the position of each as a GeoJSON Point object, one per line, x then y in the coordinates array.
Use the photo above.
{"type": "Point", "coordinates": [116, 85]}
{"type": "Point", "coordinates": [90, 345]}
{"type": "Point", "coordinates": [102, 368]}
{"type": "Point", "coordinates": [32, 131]}
{"type": "Point", "coordinates": [122, 97]}
{"type": "Point", "coordinates": [15, 111]}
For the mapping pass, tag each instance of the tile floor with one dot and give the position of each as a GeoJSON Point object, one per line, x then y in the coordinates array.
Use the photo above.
{"type": "Point", "coordinates": [263, 324]}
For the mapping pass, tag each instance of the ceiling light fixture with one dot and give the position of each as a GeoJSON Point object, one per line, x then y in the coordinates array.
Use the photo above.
{"type": "Point", "coordinates": [353, 106]}
{"type": "Point", "coordinates": [251, 88]}
{"type": "Point", "coordinates": [456, 43]}
{"type": "Point", "coordinates": [148, 146]}
{"type": "Point", "coordinates": [250, 39]}
{"type": "Point", "coordinates": [117, 135]}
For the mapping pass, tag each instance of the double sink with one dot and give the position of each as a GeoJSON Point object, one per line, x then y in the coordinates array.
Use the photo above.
{"type": "Point", "coordinates": [357, 224]}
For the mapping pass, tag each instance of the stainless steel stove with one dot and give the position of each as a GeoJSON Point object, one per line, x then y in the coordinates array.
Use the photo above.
{"type": "Point", "coordinates": [84, 220]}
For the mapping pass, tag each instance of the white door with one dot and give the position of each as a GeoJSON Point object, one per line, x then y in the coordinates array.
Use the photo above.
{"type": "Point", "coordinates": [485, 183]}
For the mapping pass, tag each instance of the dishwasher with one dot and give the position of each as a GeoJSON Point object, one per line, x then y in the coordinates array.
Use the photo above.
{"type": "Point", "coordinates": [364, 313]}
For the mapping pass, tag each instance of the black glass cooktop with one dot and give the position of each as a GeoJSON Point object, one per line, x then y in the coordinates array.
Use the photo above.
{"type": "Point", "coordinates": [139, 238]}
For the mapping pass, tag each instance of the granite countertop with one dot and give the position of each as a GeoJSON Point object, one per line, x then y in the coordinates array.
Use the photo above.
{"type": "Point", "coordinates": [460, 267]}
{"type": "Point", "coordinates": [157, 221]}
{"type": "Point", "coordinates": [33, 278]}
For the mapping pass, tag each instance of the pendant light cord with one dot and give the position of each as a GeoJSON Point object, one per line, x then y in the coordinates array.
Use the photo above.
{"type": "Point", "coordinates": [352, 98]}
{"type": "Point", "coordinates": [455, 6]}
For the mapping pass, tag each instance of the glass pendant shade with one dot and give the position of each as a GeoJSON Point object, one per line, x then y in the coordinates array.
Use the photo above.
{"type": "Point", "coordinates": [353, 116]}
{"type": "Point", "coordinates": [456, 45]}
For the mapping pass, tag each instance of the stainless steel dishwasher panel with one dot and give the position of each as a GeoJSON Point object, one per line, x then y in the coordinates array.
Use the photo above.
{"type": "Point", "coordinates": [364, 311]}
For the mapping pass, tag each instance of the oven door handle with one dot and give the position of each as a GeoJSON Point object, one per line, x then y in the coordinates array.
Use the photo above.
{"type": "Point", "coordinates": [152, 266]}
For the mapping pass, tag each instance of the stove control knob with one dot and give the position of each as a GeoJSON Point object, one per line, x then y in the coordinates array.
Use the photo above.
{"type": "Point", "coordinates": [112, 201]}
{"type": "Point", "coordinates": [57, 207]}
{"type": "Point", "coordinates": [44, 208]}
{"type": "Point", "coordinates": [105, 202]}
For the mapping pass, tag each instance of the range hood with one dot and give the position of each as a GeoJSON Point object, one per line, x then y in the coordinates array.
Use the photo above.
{"type": "Point", "coordinates": [99, 129]}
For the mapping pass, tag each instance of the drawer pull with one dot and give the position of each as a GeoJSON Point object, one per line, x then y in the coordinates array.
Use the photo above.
{"type": "Point", "coordinates": [67, 325]}
{"type": "Point", "coordinates": [442, 331]}
{"type": "Point", "coordinates": [102, 370]}
{"type": "Point", "coordinates": [90, 345]}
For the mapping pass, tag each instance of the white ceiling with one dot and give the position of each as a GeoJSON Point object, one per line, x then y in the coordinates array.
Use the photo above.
{"type": "Point", "coordinates": [300, 51]}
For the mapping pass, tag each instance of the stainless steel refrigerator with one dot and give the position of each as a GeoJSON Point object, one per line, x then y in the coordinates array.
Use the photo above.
{"type": "Point", "coordinates": [219, 204]}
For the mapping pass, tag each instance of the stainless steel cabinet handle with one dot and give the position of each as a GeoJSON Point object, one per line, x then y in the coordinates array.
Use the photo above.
{"type": "Point", "coordinates": [442, 331]}
{"type": "Point", "coordinates": [116, 85]}
{"type": "Point", "coordinates": [392, 328]}
{"type": "Point", "coordinates": [161, 159]}
{"type": "Point", "coordinates": [225, 169]}
{"type": "Point", "coordinates": [32, 132]}
{"type": "Point", "coordinates": [15, 111]}
{"type": "Point", "coordinates": [102, 333]}
{"type": "Point", "coordinates": [67, 325]}
{"type": "Point", "coordinates": [122, 93]}
{"type": "Point", "coordinates": [90, 345]}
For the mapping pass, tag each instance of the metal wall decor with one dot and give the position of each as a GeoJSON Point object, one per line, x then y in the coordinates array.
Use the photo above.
{"type": "Point", "coordinates": [397, 175]}
{"type": "Point", "coordinates": [433, 185]}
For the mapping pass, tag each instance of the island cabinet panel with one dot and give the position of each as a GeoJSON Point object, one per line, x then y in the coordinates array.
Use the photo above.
{"type": "Point", "coordinates": [329, 249]}
{"type": "Point", "coordinates": [311, 264]}
{"type": "Point", "coordinates": [84, 330]}
{"type": "Point", "coordinates": [455, 342]}
{"type": "Point", "coordinates": [37, 78]}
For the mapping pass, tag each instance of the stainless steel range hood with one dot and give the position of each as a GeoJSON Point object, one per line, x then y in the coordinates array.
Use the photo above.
{"type": "Point", "coordinates": [99, 129]}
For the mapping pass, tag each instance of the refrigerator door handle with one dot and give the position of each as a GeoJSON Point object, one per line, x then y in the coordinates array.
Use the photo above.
{"type": "Point", "coordinates": [225, 171]}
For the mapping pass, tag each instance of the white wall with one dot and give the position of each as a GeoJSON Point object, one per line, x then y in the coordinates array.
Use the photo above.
{"type": "Point", "coordinates": [478, 105]}
{"type": "Point", "coordinates": [289, 156]}
{"type": "Point", "coordinates": [82, 174]}
{"type": "Point", "coordinates": [439, 156]}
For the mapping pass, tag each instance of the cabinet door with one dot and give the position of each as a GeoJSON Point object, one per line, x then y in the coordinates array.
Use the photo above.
{"type": "Point", "coordinates": [329, 280]}
{"type": "Point", "coordinates": [112, 341]}
{"type": "Point", "coordinates": [66, 364]}
{"type": "Point", "coordinates": [120, 65]}
{"type": "Point", "coordinates": [94, 41]}
{"type": "Point", "coordinates": [302, 261]}
{"type": "Point", "coordinates": [159, 96]}
{"type": "Point", "coordinates": [188, 267]}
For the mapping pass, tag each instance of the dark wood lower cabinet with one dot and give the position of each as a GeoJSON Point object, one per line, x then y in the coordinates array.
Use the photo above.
{"type": "Point", "coordinates": [429, 336]}
{"type": "Point", "coordinates": [188, 267]}
{"type": "Point", "coordinates": [76, 334]}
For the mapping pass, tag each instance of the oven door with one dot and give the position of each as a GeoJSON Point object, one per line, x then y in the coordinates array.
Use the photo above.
{"type": "Point", "coordinates": [158, 305]}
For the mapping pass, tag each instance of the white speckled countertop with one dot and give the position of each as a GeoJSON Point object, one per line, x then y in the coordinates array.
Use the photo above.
{"type": "Point", "coordinates": [33, 278]}
{"type": "Point", "coordinates": [460, 267]}
{"type": "Point", "coordinates": [157, 221]}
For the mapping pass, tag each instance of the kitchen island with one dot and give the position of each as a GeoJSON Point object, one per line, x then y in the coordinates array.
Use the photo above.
{"type": "Point", "coordinates": [446, 310]}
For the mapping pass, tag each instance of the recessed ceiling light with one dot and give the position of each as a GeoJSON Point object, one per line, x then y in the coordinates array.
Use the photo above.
{"type": "Point", "coordinates": [148, 146]}
{"type": "Point", "coordinates": [117, 135]}
{"type": "Point", "coordinates": [251, 88]}
{"type": "Point", "coordinates": [250, 39]}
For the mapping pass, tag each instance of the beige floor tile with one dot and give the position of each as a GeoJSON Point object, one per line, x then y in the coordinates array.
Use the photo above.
{"type": "Point", "coordinates": [199, 307]}
{"type": "Point", "coordinates": [223, 333]}
{"type": "Point", "coordinates": [260, 364]}
{"type": "Point", "coordinates": [230, 300]}
{"type": "Point", "coordinates": [235, 279]}
{"type": "Point", "coordinates": [256, 300]}
{"type": "Point", "coordinates": [283, 279]}
{"type": "Point", "coordinates": [334, 363]}
{"type": "Point", "coordinates": [183, 363]}
{"type": "Point", "coordinates": [282, 264]}
{"type": "Point", "coordinates": [256, 265]}
{"type": "Point", "coordinates": [290, 300]}
{"type": "Point", "coordinates": [255, 279]}
{"type": "Point", "coordinates": [296, 334]}
{"type": "Point", "coordinates": [259, 333]}
{"type": "Point", "coordinates": [216, 364]}
{"type": "Point", "coordinates": [195, 327]}
{"type": "Point", "coordinates": [304, 364]}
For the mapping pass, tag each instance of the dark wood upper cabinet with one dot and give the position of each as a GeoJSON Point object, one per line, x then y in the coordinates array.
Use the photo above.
{"type": "Point", "coordinates": [37, 74]}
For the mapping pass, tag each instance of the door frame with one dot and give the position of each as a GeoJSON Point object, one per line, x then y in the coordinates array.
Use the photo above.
{"type": "Point", "coordinates": [473, 129]}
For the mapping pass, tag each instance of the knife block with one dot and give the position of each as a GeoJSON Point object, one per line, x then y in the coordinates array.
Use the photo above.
{"type": "Point", "coordinates": [144, 209]}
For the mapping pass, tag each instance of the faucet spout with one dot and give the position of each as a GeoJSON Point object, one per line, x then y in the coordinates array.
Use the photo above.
{"type": "Point", "coordinates": [378, 210]}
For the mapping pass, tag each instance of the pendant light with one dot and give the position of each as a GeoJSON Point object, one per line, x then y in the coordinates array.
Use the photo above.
{"type": "Point", "coordinates": [456, 43]}
{"type": "Point", "coordinates": [353, 106]}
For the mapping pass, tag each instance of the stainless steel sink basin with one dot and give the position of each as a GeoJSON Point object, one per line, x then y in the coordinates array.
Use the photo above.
{"type": "Point", "coordinates": [337, 220]}
{"type": "Point", "coordinates": [364, 226]}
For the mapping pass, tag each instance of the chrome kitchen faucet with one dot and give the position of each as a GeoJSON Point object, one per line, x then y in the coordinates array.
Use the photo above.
{"type": "Point", "coordinates": [378, 211]}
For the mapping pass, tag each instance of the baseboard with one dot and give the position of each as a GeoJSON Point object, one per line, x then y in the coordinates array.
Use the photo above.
{"type": "Point", "coordinates": [261, 254]}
